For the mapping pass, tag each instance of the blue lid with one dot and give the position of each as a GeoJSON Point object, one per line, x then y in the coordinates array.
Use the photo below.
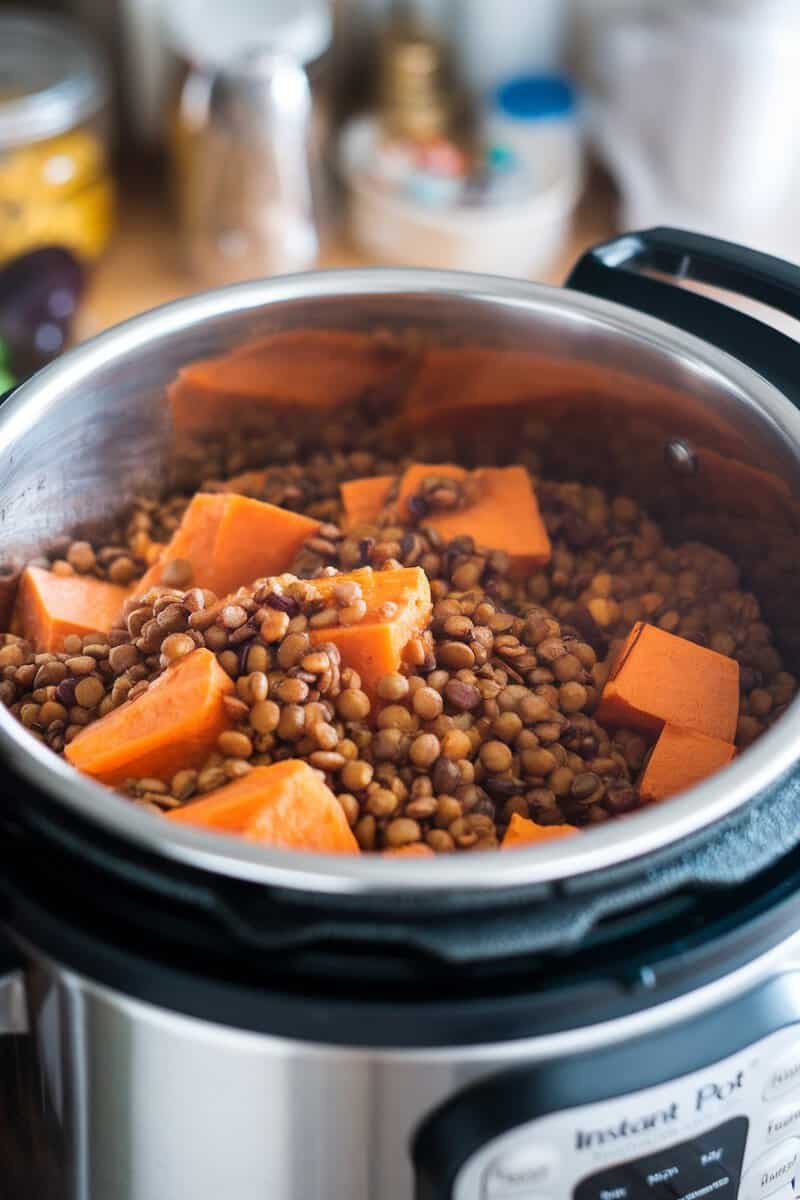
{"type": "Point", "coordinates": [535, 97]}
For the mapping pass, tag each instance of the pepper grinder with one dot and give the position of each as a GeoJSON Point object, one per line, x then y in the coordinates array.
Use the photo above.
{"type": "Point", "coordinates": [242, 156]}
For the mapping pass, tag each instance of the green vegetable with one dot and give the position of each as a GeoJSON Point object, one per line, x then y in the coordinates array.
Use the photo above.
{"type": "Point", "coordinates": [7, 380]}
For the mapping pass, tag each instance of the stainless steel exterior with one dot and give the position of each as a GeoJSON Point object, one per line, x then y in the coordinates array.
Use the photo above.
{"type": "Point", "coordinates": [145, 1104]}
{"type": "Point", "coordinates": [84, 435]}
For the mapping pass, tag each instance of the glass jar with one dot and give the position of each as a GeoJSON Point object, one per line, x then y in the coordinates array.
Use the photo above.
{"type": "Point", "coordinates": [55, 186]}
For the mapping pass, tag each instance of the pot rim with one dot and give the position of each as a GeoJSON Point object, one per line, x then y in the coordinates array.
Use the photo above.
{"type": "Point", "coordinates": [598, 848]}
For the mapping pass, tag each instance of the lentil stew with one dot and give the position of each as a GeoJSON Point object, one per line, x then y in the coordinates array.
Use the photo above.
{"type": "Point", "coordinates": [483, 711]}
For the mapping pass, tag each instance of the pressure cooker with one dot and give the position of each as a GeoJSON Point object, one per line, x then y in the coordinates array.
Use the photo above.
{"type": "Point", "coordinates": [614, 1016]}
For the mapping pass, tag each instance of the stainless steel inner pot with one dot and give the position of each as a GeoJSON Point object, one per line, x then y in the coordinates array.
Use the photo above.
{"type": "Point", "coordinates": [613, 396]}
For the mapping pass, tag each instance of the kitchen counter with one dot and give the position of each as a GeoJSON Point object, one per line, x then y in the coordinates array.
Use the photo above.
{"type": "Point", "coordinates": [141, 268]}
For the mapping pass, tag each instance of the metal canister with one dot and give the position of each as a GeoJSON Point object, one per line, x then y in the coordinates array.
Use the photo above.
{"type": "Point", "coordinates": [249, 126]}
{"type": "Point", "coordinates": [243, 175]}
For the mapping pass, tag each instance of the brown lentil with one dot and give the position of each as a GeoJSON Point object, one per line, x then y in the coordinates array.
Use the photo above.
{"type": "Point", "coordinates": [233, 744]}
{"type": "Point", "coordinates": [353, 705]}
{"type": "Point", "coordinates": [427, 703]}
{"type": "Point", "coordinates": [89, 691]}
{"type": "Point", "coordinates": [356, 775]}
{"type": "Point", "coordinates": [496, 756]}
{"type": "Point", "coordinates": [402, 831]}
{"type": "Point", "coordinates": [456, 744]}
{"type": "Point", "coordinates": [264, 716]}
{"type": "Point", "coordinates": [81, 557]}
{"type": "Point", "coordinates": [392, 687]}
{"type": "Point", "coordinates": [350, 807]}
{"type": "Point", "coordinates": [176, 645]}
{"type": "Point", "coordinates": [82, 664]}
{"type": "Point", "coordinates": [424, 750]}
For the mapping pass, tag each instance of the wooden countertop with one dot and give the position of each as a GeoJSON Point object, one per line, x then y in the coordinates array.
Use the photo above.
{"type": "Point", "coordinates": [141, 268]}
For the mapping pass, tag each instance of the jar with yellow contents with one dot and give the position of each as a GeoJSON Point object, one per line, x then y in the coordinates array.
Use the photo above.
{"type": "Point", "coordinates": [55, 185]}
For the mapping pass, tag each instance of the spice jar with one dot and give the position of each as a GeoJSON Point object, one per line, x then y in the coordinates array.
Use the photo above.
{"type": "Point", "coordinates": [415, 103]}
{"type": "Point", "coordinates": [55, 187]}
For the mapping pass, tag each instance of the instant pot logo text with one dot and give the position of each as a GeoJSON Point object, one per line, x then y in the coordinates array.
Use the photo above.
{"type": "Point", "coordinates": [704, 1098]}
{"type": "Point", "coordinates": [627, 1127]}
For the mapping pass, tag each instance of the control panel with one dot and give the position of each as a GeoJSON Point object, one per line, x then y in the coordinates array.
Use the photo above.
{"type": "Point", "coordinates": [707, 1165]}
{"type": "Point", "coordinates": [729, 1130]}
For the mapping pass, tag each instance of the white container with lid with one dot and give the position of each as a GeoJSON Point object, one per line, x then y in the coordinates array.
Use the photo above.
{"type": "Point", "coordinates": [519, 236]}
{"type": "Point", "coordinates": [493, 42]}
{"type": "Point", "coordinates": [536, 117]}
{"type": "Point", "coordinates": [696, 110]}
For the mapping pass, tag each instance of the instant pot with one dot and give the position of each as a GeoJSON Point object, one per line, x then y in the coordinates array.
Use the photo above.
{"type": "Point", "coordinates": [614, 1016]}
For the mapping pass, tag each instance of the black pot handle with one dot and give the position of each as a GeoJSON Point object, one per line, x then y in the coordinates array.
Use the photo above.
{"type": "Point", "coordinates": [614, 269]}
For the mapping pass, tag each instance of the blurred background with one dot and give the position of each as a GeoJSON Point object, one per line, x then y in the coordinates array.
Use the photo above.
{"type": "Point", "coordinates": [149, 148]}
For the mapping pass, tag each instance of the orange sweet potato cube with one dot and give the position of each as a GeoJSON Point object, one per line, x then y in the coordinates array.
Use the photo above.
{"type": "Point", "coordinates": [49, 607]}
{"type": "Point", "coordinates": [462, 383]}
{"type": "Point", "coordinates": [172, 725]}
{"type": "Point", "coordinates": [230, 540]}
{"type": "Point", "coordinates": [398, 608]}
{"type": "Point", "coordinates": [680, 759]}
{"type": "Point", "coordinates": [660, 679]}
{"type": "Point", "coordinates": [363, 499]}
{"type": "Point", "coordinates": [286, 804]}
{"type": "Point", "coordinates": [523, 832]}
{"type": "Point", "coordinates": [315, 370]}
{"type": "Point", "coordinates": [504, 517]}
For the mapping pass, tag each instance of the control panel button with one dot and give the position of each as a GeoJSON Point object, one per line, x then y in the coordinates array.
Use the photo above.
{"type": "Point", "coordinates": [523, 1172]}
{"type": "Point", "coordinates": [783, 1075]}
{"type": "Point", "coordinates": [783, 1122]}
{"type": "Point", "coordinates": [772, 1171]}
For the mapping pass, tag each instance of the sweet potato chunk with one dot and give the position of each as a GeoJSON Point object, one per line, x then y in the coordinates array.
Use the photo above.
{"type": "Point", "coordinates": [398, 608]}
{"type": "Point", "coordinates": [522, 832]}
{"type": "Point", "coordinates": [286, 804]}
{"type": "Point", "coordinates": [660, 679]}
{"type": "Point", "coordinates": [505, 515]}
{"type": "Point", "coordinates": [371, 649]}
{"type": "Point", "coordinates": [52, 606]}
{"type": "Point", "coordinates": [230, 540]}
{"type": "Point", "coordinates": [312, 369]}
{"type": "Point", "coordinates": [174, 724]}
{"type": "Point", "coordinates": [461, 389]}
{"type": "Point", "coordinates": [363, 499]}
{"type": "Point", "coordinates": [461, 381]}
{"type": "Point", "coordinates": [681, 758]}
{"type": "Point", "coordinates": [407, 587]}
